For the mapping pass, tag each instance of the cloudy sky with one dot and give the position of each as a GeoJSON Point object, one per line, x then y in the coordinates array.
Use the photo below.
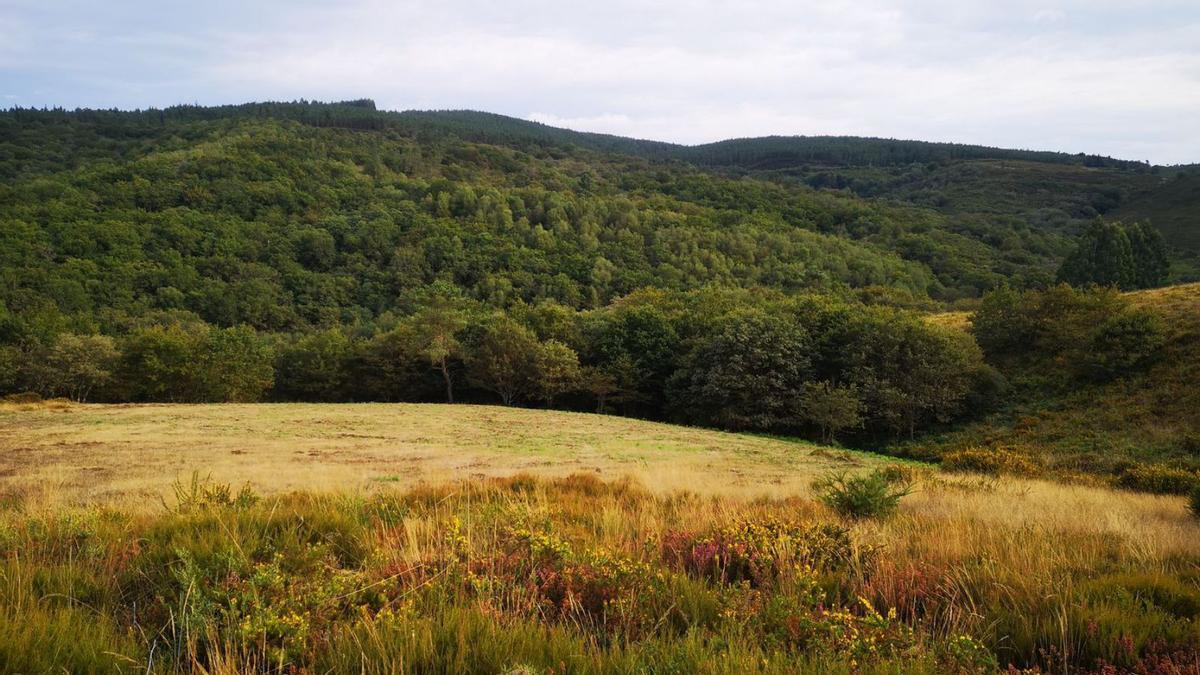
{"type": "Point", "coordinates": [1104, 76]}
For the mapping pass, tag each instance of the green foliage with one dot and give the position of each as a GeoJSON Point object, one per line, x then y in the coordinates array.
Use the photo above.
{"type": "Point", "coordinates": [1113, 254]}
{"type": "Point", "coordinates": [503, 358]}
{"type": "Point", "coordinates": [1194, 501]}
{"type": "Point", "coordinates": [1120, 345]}
{"type": "Point", "coordinates": [1150, 260]}
{"type": "Point", "coordinates": [202, 493]}
{"type": "Point", "coordinates": [194, 363]}
{"type": "Point", "coordinates": [157, 364]}
{"type": "Point", "coordinates": [748, 374]}
{"type": "Point", "coordinates": [314, 366]}
{"type": "Point", "coordinates": [558, 370]}
{"type": "Point", "coordinates": [869, 495]}
{"type": "Point", "coordinates": [831, 408]}
{"type": "Point", "coordinates": [234, 364]}
{"type": "Point", "coordinates": [74, 366]}
{"type": "Point", "coordinates": [908, 374]}
{"type": "Point", "coordinates": [336, 252]}
{"type": "Point", "coordinates": [1091, 334]}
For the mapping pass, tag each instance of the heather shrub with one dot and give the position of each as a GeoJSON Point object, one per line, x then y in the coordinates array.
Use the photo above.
{"type": "Point", "coordinates": [759, 553]}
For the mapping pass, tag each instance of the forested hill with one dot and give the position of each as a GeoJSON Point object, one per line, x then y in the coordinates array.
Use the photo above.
{"type": "Point", "coordinates": [334, 252]}
{"type": "Point", "coordinates": [772, 152]}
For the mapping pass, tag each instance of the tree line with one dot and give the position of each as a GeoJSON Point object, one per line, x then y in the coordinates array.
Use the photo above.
{"type": "Point", "coordinates": [733, 359]}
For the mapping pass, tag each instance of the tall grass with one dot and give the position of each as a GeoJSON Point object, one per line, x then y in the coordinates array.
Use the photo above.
{"type": "Point", "coordinates": [581, 575]}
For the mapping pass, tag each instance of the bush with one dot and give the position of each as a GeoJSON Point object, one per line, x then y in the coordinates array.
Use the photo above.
{"type": "Point", "coordinates": [993, 462]}
{"type": "Point", "coordinates": [1163, 480]}
{"type": "Point", "coordinates": [202, 493]}
{"type": "Point", "coordinates": [1194, 502]}
{"type": "Point", "coordinates": [872, 495]}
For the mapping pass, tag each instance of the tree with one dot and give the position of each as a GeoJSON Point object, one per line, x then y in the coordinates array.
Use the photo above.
{"type": "Point", "coordinates": [313, 367]}
{"type": "Point", "coordinates": [10, 368]}
{"type": "Point", "coordinates": [748, 375]}
{"type": "Point", "coordinates": [1149, 254]}
{"type": "Point", "coordinates": [1114, 254]}
{"type": "Point", "coordinates": [503, 358]}
{"type": "Point", "coordinates": [394, 366]}
{"type": "Point", "coordinates": [600, 384]}
{"type": "Point", "coordinates": [557, 370]}
{"type": "Point", "coordinates": [76, 365]}
{"type": "Point", "coordinates": [157, 364]}
{"type": "Point", "coordinates": [639, 346]}
{"type": "Point", "coordinates": [907, 372]}
{"type": "Point", "coordinates": [436, 331]}
{"type": "Point", "coordinates": [234, 365]}
{"type": "Point", "coordinates": [831, 408]}
{"type": "Point", "coordinates": [195, 363]}
{"type": "Point", "coordinates": [1118, 346]}
{"type": "Point", "coordinates": [1089, 334]}
{"type": "Point", "coordinates": [998, 325]}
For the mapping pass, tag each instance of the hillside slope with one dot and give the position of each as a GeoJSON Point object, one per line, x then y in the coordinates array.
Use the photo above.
{"type": "Point", "coordinates": [1152, 415]}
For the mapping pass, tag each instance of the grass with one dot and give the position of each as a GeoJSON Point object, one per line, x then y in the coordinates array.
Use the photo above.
{"type": "Point", "coordinates": [617, 547]}
{"type": "Point", "coordinates": [579, 574]}
{"type": "Point", "coordinates": [126, 454]}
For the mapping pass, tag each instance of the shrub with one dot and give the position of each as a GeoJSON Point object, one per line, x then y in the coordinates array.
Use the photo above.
{"type": "Point", "coordinates": [1159, 479]}
{"type": "Point", "coordinates": [872, 495]}
{"type": "Point", "coordinates": [1194, 502]}
{"type": "Point", "coordinates": [201, 494]}
{"type": "Point", "coordinates": [992, 462]}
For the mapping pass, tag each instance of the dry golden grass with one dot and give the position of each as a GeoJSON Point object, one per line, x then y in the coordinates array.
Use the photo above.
{"type": "Point", "coordinates": [128, 455]}
{"type": "Point", "coordinates": [131, 453]}
{"type": "Point", "coordinates": [1007, 561]}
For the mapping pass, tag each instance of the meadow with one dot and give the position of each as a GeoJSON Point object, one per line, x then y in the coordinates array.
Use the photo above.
{"type": "Point", "coordinates": [438, 539]}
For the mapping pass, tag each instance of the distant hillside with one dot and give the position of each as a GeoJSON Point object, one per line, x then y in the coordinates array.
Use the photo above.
{"type": "Point", "coordinates": [764, 153]}
{"type": "Point", "coordinates": [1172, 203]}
{"type": "Point", "coordinates": [1150, 416]}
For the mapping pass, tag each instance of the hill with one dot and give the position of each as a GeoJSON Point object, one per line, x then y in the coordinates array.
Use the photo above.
{"type": "Point", "coordinates": [1149, 416]}
{"type": "Point", "coordinates": [335, 252]}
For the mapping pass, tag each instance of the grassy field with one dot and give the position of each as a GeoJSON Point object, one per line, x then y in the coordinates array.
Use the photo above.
{"type": "Point", "coordinates": [129, 454]}
{"type": "Point", "coordinates": [446, 539]}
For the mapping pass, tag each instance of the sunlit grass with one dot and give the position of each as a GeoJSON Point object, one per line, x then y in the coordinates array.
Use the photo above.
{"type": "Point", "coordinates": [585, 575]}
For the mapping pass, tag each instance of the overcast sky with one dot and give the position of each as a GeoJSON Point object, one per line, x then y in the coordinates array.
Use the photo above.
{"type": "Point", "coordinates": [1101, 76]}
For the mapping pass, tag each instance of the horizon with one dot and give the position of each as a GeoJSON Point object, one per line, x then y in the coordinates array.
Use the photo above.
{"type": "Point", "coordinates": [1117, 79]}
{"type": "Point", "coordinates": [309, 101]}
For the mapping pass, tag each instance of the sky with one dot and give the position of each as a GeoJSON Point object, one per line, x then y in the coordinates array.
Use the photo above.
{"type": "Point", "coordinates": [1110, 77]}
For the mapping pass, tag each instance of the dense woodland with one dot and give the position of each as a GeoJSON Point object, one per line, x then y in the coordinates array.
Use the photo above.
{"type": "Point", "coordinates": [338, 253]}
